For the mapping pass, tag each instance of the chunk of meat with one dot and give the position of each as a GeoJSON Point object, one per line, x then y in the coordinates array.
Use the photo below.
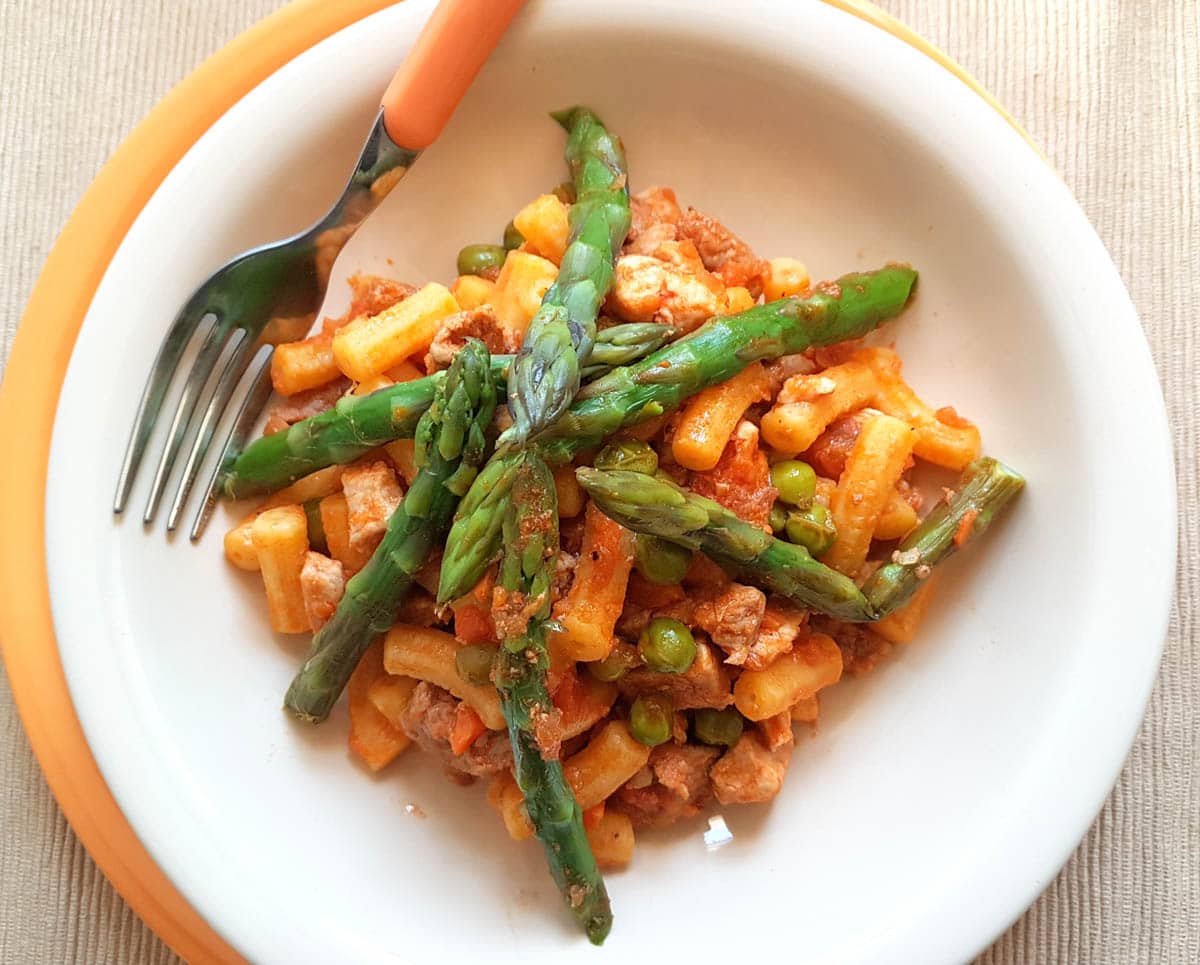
{"type": "Point", "coordinates": [322, 584]}
{"type": "Point", "coordinates": [741, 480]}
{"type": "Point", "coordinates": [706, 683]}
{"type": "Point", "coordinates": [781, 369]}
{"type": "Point", "coordinates": [429, 720]}
{"type": "Point", "coordinates": [862, 648]}
{"type": "Point", "coordinates": [647, 289]}
{"type": "Point", "coordinates": [732, 619]}
{"type": "Point", "coordinates": [783, 625]}
{"type": "Point", "coordinates": [653, 214]}
{"type": "Point", "coordinates": [372, 495]}
{"type": "Point", "coordinates": [678, 786]}
{"type": "Point", "coordinates": [372, 294]}
{"type": "Point", "coordinates": [776, 731]}
{"type": "Point", "coordinates": [750, 773]}
{"type": "Point", "coordinates": [480, 323]}
{"type": "Point", "coordinates": [304, 405]}
{"type": "Point", "coordinates": [723, 252]}
{"type": "Point", "coordinates": [829, 453]}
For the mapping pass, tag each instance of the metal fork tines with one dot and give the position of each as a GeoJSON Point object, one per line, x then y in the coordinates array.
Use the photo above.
{"type": "Point", "coordinates": [282, 280]}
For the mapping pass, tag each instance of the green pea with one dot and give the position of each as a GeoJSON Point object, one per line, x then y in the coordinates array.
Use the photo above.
{"type": "Point", "coordinates": [667, 646]}
{"type": "Point", "coordinates": [474, 662]}
{"type": "Point", "coordinates": [796, 482]}
{"type": "Point", "coordinates": [722, 727]}
{"type": "Point", "coordinates": [479, 259]}
{"type": "Point", "coordinates": [779, 517]}
{"type": "Point", "coordinates": [650, 720]}
{"type": "Point", "coordinates": [812, 528]}
{"type": "Point", "coordinates": [661, 561]}
{"type": "Point", "coordinates": [512, 237]}
{"type": "Point", "coordinates": [316, 528]}
{"type": "Point", "coordinates": [621, 658]}
{"type": "Point", "coordinates": [565, 192]}
{"type": "Point", "coordinates": [628, 454]}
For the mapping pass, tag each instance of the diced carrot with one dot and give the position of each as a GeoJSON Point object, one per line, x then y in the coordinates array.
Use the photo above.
{"type": "Point", "coordinates": [468, 728]}
{"type": "Point", "coordinates": [963, 533]}
{"type": "Point", "coordinates": [473, 613]}
{"type": "Point", "coordinates": [593, 816]}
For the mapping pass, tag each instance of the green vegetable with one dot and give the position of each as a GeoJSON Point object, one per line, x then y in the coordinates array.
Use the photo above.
{"type": "Point", "coordinates": [530, 532]}
{"type": "Point", "coordinates": [667, 646]}
{"type": "Point", "coordinates": [661, 561]}
{"type": "Point", "coordinates": [358, 424]}
{"type": "Point", "coordinates": [796, 482]}
{"type": "Point", "coordinates": [720, 727]}
{"type": "Point", "coordinates": [512, 237]}
{"type": "Point", "coordinates": [450, 447]}
{"type": "Point", "coordinates": [651, 720]}
{"type": "Point", "coordinates": [473, 662]}
{"type": "Point", "coordinates": [547, 371]}
{"type": "Point", "coordinates": [621, 658]}
{"type": "Point", "coordinates": [316, 526]}
{"type": "Point", "coordinates": [812, 528]}
{"type": "Point", "coordinates": [631, 454]}
{"type": "Point", "coordinates": [714, 353]}
{"type": "Point", "coordinates": [480, 259]}
{"type": "Point", "coordinates": [779, 518]}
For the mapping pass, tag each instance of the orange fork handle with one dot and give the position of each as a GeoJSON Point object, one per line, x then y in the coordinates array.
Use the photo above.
{"type": "Point", "coordinates": [453, 46]}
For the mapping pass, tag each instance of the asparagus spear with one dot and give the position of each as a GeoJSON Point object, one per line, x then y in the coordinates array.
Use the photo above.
{"type": "Point", "coordinates": [848, 308]}
{"type": "Point", "coordinates": [530, 532]}
{"type": "Point", "coordinates": [546, 373]}
{"type": "Point", "coordinates": [358, 424]}
{"type": "Point", "coordinates": [656, 506]}
{"type": "Point", "coordinates": [450, 448]}
{"type": "Point", "coordinates": [985, 489]}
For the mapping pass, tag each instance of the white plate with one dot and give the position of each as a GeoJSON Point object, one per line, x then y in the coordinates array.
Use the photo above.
{"type": "Point", "coordinates": [943, 791]}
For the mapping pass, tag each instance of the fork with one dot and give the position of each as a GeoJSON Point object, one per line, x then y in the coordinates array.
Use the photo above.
{"type": "Point", "coordinates": [287, 279]}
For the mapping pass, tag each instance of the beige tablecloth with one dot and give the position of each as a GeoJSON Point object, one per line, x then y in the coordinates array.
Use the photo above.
{"type": "Point", "coordinates": [1109, 88]}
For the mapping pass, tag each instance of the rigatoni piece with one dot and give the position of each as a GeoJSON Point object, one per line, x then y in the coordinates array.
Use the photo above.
{"type": "Point", "coordinates": [390, 695]}
{"type": "Point", "coordinates": [315, 485]}
{"type": "Point", "coordinates": [471, 291]}
{"type": "Point", "coordinates": [520, 287]}
{"type": "Point", "coordinates": [373, 384]}
{"type": "Point", "coordinates": [795, 676]}
{"type": "Point", "coordinates": [374, 343]}
{"type": "Point", "coordinates": [505, 796]}
{"type": "Point", "coordinates": [374, 738]}
{"type": "Point", "coordinates": [737, 299]}
{"type": "Point", "coordinates": [898, 517]}
{"type": "Point", "coordinates": [428, 654]}
{"type": "Point", "coordinates": [322, 584]}
{"type": "Point", "coordinates": [297, 366]}
{"type": "Point", "coordinates": [900, 626]}
{"type": "Point", "coordinates": [589, 612]}
{"type": "Point", "coordinates": [611, 837]}
{"type": "Point", "coordinates": [709, 418]}
{"type": "Point", "coordinates": [372, 495]}
{"type": "Point", "coordinates": [943, 437]}
{"type": "Point", "coordinates": [879, 457]}
{"type": "Point", "coordinates": [402, 452]}
{"type": "Point", "coordinates": [335, 520]}
{"type": "Point", "coordinates": [280, 538]}
{"type": "Point", "coordinates": [785, 277]}
{"type": "Point", "coordinates": [571, 497]}
{"type": "Point", "coordinates": [239, 546]}
{"type": "Point", "coordinates": [610, 759]}
{"type": "Point", "coordinates": [543, 224]}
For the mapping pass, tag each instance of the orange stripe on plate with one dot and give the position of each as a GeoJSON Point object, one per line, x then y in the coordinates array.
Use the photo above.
{"type": "Point", "coordinates": [29, 398]}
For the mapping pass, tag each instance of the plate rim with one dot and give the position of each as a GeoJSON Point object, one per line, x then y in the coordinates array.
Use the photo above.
{"type": "Point", "coordinates": [29, 395]}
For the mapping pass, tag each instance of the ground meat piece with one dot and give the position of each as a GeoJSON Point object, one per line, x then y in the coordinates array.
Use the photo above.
{"type": "Point", "coordinates": [372, 495]}
{"type": "Point", "coordinates": [781, 369]}
{"type": "Point", "coordinates": [680, 786]}
{"type": "Point", "coordinates": [322, 584]}
{"type": "Point", "coordinates": [480, 323]}
{"type": "Point", "coordinates": [723, 252]}
{"type": "Point", "coordinates": [862, 648]}
{"type": "Point", "coordinates": [419, 608]}
{"type": "Point", "coordinates": [428, 720]}
{"type": "Point", "coordinates": [373, 294]}
{"type": "Point", "coordinates": [304, 405]}
{"type": "Point", "coordinates": [749, 773]}
{"type": "Point", "coordinates": [783, 625]}
{"type": "Point", "coordinates": [829, 453]}
{"type": "Point", "coordinates": [649, 290]}
{"type": "Point", "coordinates": [706, 683]}
{"type": "Point", "coordinates": [741, 479]}
{"type": "Point", "coordinates": [653, 215]}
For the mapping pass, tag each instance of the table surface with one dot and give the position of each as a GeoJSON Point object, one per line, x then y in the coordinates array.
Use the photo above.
{"type": "Point", "coordinates": [1111, 91]}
